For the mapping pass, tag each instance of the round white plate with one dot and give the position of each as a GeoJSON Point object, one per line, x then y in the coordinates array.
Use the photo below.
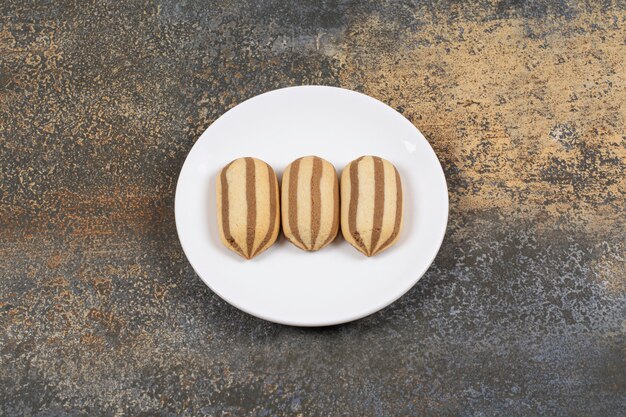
{"type": "Point", "coordinates": [336, 284]}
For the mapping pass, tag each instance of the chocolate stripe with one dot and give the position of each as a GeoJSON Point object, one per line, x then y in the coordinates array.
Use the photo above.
{"type": "Point", "coordinates": [379, 201]}
{"type": "Point", "coordinates": [293, 200]}
{"type": "Point", "coordinates": [316, 199]}
{"type": "Point", "coordinates": [354, 197]}
{"type": "Point", "coordinates": [398, 219]}
{"type": "Point", "coordinates": [335, 203]}
{"type": "Point", "coordinates": [226, 212]}
{"type": "Point", "coordinates": [273, 208]}
{"type": "Point", "coordinates": [251, 202]}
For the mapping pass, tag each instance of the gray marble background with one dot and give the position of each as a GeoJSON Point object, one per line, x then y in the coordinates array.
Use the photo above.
{"type": "Point", "coordinates": [522, 312]}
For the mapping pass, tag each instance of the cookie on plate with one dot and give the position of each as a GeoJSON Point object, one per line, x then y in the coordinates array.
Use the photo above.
{"type": "Point", "coordinates": [371, 204]}
{"type": "Point", "coordinates": [248, 206]}
{"type": "Point", "coordinates": [310, 203]}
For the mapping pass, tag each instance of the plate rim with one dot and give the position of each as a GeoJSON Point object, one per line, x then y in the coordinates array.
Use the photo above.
{"type": "Point", "coordinates": [376, 308]}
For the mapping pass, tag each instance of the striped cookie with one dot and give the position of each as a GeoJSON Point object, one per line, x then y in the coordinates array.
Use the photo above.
{"type": "Point", "coordinates": [371, 204]}
{"type": "Point", "coordinates": [310, 203]}
{"type": "Point", "coordinates": [247, 206]}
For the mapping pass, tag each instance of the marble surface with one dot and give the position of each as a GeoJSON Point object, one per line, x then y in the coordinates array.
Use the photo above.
{"type": "Point", "coordinates": [522, 312]}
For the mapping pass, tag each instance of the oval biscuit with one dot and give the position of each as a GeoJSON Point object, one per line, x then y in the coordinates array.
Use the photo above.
{"type": "Point", "coordinates": [310, 203]}
{"type": "Point", "coordinates": [371, 204]}
{"type": "Point", "coordinates": [248, 206]}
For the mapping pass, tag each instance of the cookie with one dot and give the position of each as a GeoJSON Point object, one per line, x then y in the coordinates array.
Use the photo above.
{"type": "Point", "coordinates": [371, 204]}
{"type": "Point", "coordinates": [310, 203]}
{"type": "Point", "coordinates": [248, 206]}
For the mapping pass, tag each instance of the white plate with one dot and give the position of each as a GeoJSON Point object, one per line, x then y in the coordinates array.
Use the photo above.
{"type": "Point", "coordinates": [336, 284]}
